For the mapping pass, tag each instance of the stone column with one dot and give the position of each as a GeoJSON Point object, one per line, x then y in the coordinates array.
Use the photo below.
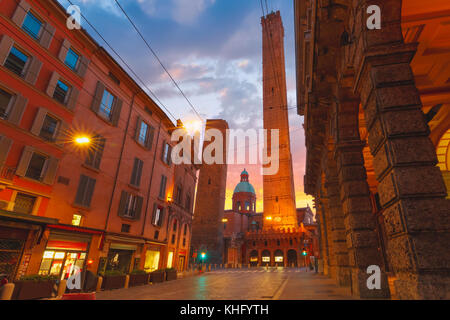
{"type": "Point", "coordinates": [324, 250]}
{"type": "Point", "coordinates": [336, 219]}
{"type": "Point", "coordinates": [412, 190]}
{"type": "Point", "coordinates": [360, 225]}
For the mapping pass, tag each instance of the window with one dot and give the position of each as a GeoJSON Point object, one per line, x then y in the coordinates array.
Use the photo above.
{"type": "Point", "coordinates": [156, 236]}
{"type": "Point", "coordinates": [185, 229]}
{"type": "Point", "coordinates": [175, 226]}
{"type": "Point", "coordinates": [179, 194]}
{"type": "Point", "coordinates": [137, 172]}
{"type": "Point", "coordinates": [184, 242]}
{"type": "Point", "coordinates": [32, 25]}
{"type": "Point", "coordinates": [5, 103]}
{"type": "Point", "coordinates": [106, 106]}
{"type": "Point", "coordinates": [61, 92]}
{"type": "Point", "coordinates": [158, 216]}
{"type": "Point", "coordinates": [49, 127]}
{"type": "Point", "coordinates": [143, 133]}
{"type": "Point", "coordinates": [76, 220]}
{"type": "Point", "coordinates": [125, 228]}
{"type": "Point", "coordinates": [16, 61]}
{"type": "Point", "coordinates": [36, 167]}
{"type": "Point", "coordinates": [72, 59]}
{"type": "Point", "coordinates": [24, 203]}
{"type": "Point", "coordinates": [173, 239]}
{"type": "Point", "coordinates": [278, 242]}
{"type": "Point", "coordinates": [132, 206]}
{"type": "Point", "coordinates": [166, 155]}
{"type": "Point", "coordinates": [95, 152]}
{"type": "Point", "coordinates": [290, 242]}
{"type": "Point", "coordinates": [162, 187]}
{"type": "Point", "coordinates": [85, 191]}
{"type": "Point", "coordinates": [188, 202]}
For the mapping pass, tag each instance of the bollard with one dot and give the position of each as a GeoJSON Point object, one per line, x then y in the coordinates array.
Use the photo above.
{"type": "Point", "coordinates": [99, 284]}
{"type": "Point", "coordinates": [249, 265]}
{"type": "Point", "coordinates": [240, 265]}
{"type": "Point", "coordinates": [6, 291]}
{"type": "Point", "coordinates": [209, 268]}
{"type": "Point", "coordinates": [127, 281]}
{"type": "Point", "coordinates": [62, 288]}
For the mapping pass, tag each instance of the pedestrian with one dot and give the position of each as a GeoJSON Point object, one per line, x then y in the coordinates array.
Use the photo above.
{"type": "Point", "coordinates": [316, 265]}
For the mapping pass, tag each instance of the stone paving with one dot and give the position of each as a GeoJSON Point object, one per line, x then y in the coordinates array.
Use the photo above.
{"type": "Point", "coordinates": [238, 284]}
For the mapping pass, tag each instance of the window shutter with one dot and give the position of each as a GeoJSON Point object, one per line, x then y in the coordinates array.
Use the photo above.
{"type": "Point", "coordinates": [82, 185]}
{"type": "Point", "coordinates": [21, 11]}
{"type": "Point", "coordinates": [151, 134]}
{"type": "Point", "coordinates": [38, 121]}
{"type": "Point", "coordinates": [61, 138]}
{"type": "Point", "coordinates": [47, 35]}
{"type": "Point", "coordinates": [83, 66]}
{"type": "Point", "coordinates": [22, 167]}
{"type": "Point", "coordinates": [134, 173]}
{"type": "Point", "coordinates": [71, 103]}
{"type": "Point", "coordinates": [139, 201]}
{"type": "Point", "coordinates": [100, 146]}
{"type": "Point", "coordinates": [161, 217]}
{"type": "Point", "coordinates": [123, 203]}
{"type": "Point", "coordinates": [138, 128]}
{"type": "Point", "coordinates": [17, 110]}
{"type": "Point", "coordinates": [33, 71]}
{"type": "Point", "coordinates": [52, 84]}
{"type": "Point", "coordinates": [163, 150]}
{"type": "Point", "coordinates": [5, 146]}
{"type": "Point", "coordinates": [98, 97]}
{"type": "Point", "coordinates": [116, 111]}
{"type": "Point", "coordinates": [50, 172]}
{"type": "Point", "coordinates": [90, 191]}
{"type": "Point", "coordinates": [65, 46]}
{"type": "Point", "coordinates": [169, 156]}
{"type": "Point", "coordinates": [155, 206]}
{"type": "Point", "coordinates": [5, 46]}
{"type": "Point", "coordinates": [139, 172]}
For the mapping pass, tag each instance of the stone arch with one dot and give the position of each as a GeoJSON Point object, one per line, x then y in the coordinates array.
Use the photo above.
{"type": "Point", "coordinates": [266, 258]}
{"type": "Point", "coordinates": [410, 188]}
{"type": "Point", "coordinates": [292, 258]}
{"type": "Point", "coordinates": [278, 257]}
{"type": "Point", "coordinates": [254, 258]}
{"type": "Point", "coordinates": [443, 153]}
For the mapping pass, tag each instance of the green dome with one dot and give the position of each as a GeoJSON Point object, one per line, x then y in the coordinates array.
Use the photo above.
{"type": "Point", "coordinates": [244, 186]}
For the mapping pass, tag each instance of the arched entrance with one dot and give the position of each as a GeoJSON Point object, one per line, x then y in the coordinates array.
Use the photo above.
{"type": "Point", "coordinates": [279, 258]}
{"type": "Point", "coordinates": [265, 258]}
{"type": "Point", "coordinates": [443, 154]}
{"type": "Point", "coordinates": [254, 258]}
{"type": "Point", "coordinates": [292, 258]}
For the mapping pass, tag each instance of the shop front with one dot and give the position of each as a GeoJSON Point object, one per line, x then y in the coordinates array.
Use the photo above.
{"type": "Point", "coordinates": [124, 254]}
{"type": "Point", "coordinates": [153, 256]}
{"type": "Point", "coordinates": [265, 258]}
{"type": "Point", "coordinates": [181, 260]}
{"type": "Point", "coordinates": [279, 258]}
{"type": "Point", "coordinates": [18, 234]}
{"type": "Point", "coordinates": [65, 254]}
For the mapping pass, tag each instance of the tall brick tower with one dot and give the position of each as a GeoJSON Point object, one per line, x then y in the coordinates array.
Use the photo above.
{"type": "Point", "coordinates": [279, 192]}
{"type": "Point", "coordinates": [207, 226]}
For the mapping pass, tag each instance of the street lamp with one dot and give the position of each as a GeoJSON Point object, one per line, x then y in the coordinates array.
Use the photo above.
{"type": "Point", "coordinates": [82, 140]}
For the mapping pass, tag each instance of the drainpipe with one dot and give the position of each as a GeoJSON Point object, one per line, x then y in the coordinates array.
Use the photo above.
{"type": "Point", "coordinates": [120, 162]}
{"type": "Point", "coordinates": [151, 177]}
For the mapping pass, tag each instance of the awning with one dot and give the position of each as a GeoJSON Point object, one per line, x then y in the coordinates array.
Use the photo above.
{"type": "Point", "coordinates": [124, 239]}
{"type": "Point", "coordinates": [28, 218]}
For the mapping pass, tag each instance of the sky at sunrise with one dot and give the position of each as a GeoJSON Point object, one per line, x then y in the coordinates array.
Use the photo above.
{"type": "Point", "coordinates": [213, 49]}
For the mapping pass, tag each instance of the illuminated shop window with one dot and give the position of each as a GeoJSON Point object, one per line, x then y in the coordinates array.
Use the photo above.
{"type": "Point", "coordinates": [76, 220]}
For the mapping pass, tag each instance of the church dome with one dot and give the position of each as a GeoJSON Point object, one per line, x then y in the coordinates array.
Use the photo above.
{"type": "Point", "coordinates": [244, 185]}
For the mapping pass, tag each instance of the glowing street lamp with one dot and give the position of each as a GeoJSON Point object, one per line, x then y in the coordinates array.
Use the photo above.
{"type": "Point", "coordinates": [82, 140]}
{"type": "Point", "coordinates": [224, 220]}
{"type": "Point", "coordinates": [268, 218]}
{"type": "Point", "coordinates": [192, 127]}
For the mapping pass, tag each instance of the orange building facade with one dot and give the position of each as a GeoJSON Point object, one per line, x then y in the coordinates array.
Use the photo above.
{"type": "Point", "coordinates": [114, 203]}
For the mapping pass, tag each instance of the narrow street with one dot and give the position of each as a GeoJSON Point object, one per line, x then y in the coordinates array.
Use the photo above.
{"type": "Point", "coordinates": [238, 284]}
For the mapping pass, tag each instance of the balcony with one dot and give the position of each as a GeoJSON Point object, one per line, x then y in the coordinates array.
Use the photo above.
{"type": "Point", "coordinates": [7, 175]}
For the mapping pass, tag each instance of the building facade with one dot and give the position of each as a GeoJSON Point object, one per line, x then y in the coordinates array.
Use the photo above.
{"type": "Point", "coordinates": [377, 119]}
{"type": "Point", "coordinates": [85, 155]}
{"type": "Point", "coordinates": [247, 241]}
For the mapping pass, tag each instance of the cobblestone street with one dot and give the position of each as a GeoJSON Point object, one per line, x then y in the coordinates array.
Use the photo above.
{"type": "Point", "coordinates": [238, 284]}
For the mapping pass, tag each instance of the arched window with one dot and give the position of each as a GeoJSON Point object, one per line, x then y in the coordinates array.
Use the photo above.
{"type": "Point", "coordinates": [238, 205]}
{"type": "Point", "coordinates": [247, 205]}
{"type": "Point", "coordinates": [443, 154]}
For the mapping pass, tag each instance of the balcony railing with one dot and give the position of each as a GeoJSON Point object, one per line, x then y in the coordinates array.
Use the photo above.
{"type": "Point", "coordinates": [7, 173]}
